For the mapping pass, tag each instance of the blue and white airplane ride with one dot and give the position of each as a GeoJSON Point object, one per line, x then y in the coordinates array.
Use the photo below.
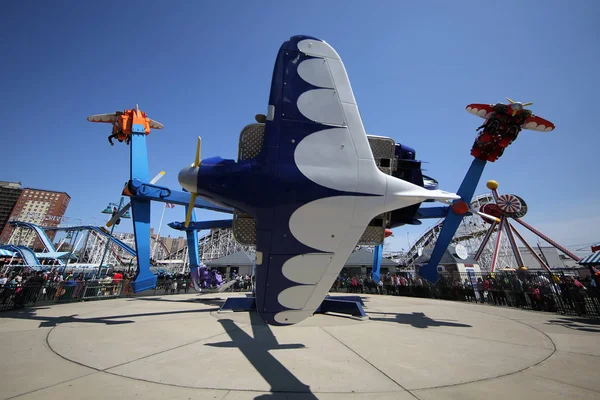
{"type": "Point", "coordinates": [312, 186]}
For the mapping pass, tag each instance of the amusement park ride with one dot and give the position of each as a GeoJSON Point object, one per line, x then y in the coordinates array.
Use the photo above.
{"type": "Point", "coordinates": [510, 206]}
{"type": "Point", "coordinates": [502, 126]}
{"type": "Point", "coordinates": [309, 184]}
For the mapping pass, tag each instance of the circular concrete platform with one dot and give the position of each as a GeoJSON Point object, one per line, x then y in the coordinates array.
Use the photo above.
{"type": "Point", "coordinates": [401, 346]}
{"type": "Point", "coordinates": [408, 348]}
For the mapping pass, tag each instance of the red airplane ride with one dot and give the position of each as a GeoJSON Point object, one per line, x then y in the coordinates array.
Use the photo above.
{"type": "Point", "coordinates": [502, 126]}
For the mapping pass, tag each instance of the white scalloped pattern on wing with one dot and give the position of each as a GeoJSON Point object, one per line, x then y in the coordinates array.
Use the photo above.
{"type": "Point", "coordinates": [535, 127]}
{"type": "Point", "coordinates": [483, 113]}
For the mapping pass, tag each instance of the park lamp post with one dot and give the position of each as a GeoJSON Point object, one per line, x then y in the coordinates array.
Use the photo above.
{"type": "Point", "coordinates": [111, 208]}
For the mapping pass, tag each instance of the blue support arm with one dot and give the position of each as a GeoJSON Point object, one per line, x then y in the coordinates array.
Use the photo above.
{"type": "Point", "coordinates": [140, 190]}
{"type": "Point", "coordinates": [452, 221]}
{"type": "Point", "coordinates": [202, 225]}
{"type": "Point", "coordinates": [432, 212]}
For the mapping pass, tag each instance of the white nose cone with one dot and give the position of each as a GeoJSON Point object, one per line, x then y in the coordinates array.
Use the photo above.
{"type": "Point", "coordinates": [188, 178]}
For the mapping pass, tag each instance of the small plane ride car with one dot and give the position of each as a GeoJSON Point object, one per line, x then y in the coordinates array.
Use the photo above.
{"type": "Point", "coordinates": [503, 124]}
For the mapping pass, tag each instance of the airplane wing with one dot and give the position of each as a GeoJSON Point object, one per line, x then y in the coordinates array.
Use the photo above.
{"type": "Point", "coordinates": [316, 145]}
{"type": "Point", "coordinates": [155, 124]}
{"type": "Point", "coordinates": [539, 124]}
{"type": "Point", "coordinates": [108, 118]}
{"type": "Point", "coordinates": [481, 110]}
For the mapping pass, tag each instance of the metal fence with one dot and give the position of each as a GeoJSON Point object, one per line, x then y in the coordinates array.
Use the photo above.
{"type": "Point", "coordinates": [14, 296]}
{"type": "Point", "coordinates": [540, 291]}
{"type": "Point", "coordinates": [536, 291]}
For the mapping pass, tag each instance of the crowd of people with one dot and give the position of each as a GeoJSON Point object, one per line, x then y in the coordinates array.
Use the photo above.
{"type": "Point", "coordinates": [538, 291]}
{"type": "Point", "coordinates": [23, 285]}
{"type": "Point", "coordinates": [176, 283]}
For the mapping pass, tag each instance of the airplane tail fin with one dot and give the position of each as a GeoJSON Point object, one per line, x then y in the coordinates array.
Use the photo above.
{"type": "Point", "coordinates": [401, 193]}
{"type": "Point", "coordinates": [424, 194]}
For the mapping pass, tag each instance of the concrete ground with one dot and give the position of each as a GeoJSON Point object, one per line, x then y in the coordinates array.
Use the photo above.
{"type": "Point", "coordinates": [179, 347]}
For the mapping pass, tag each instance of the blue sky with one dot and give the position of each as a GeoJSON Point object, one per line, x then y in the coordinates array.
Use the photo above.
{"type": "Point", "coordinates": [204, 68]}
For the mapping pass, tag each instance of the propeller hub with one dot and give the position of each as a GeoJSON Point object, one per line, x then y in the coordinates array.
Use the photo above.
{"type": "Point", "coordinates": [516, 106]}
{"type": "Point", "coordinates": [188, 178]}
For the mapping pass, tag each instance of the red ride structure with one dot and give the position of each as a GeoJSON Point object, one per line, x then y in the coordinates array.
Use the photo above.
{"type": "Point", "coordinates": [503, 123]}
{"type": "Point", "coordinates": [510, 206]}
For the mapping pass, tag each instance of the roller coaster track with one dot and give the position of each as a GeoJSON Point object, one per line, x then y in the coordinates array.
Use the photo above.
{"type": "Point", "coordinates": [97, 230]}
{"type": "Point", "coordinates": [25, 252]}
{"type": "Point", "coordinates": [216, 243]}
{"type": "Point", "coordinates": [39, 231]}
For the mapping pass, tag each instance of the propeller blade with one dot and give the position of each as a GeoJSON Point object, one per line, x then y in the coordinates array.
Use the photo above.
{"type": "Point", "coordinates": [188, 216]}
{"type": "Point", "coordinates": [472, 211]}
{"type": "Point", "coordinates": [198, 148]}
{"type": "Point", "coordinates": [155, 124]}
{"type": "Point", "coordinates": [196, 164]}
{"type": "Point", "coordinates": [107, 118]}
{"type": "Point", "coordinates": [528, 104]}
{"type": "Point", "coordinates": [486, 216]}
{"type": "Point", "coordinates": [157, 177]}
{"type": "Point", "coordinates": [510, 101]}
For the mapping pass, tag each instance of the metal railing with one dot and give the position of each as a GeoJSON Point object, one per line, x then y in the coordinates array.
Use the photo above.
{"type": "Point", "coordinates": [540, 291]}
{"type": "Point", "coordinates": [14, 296]}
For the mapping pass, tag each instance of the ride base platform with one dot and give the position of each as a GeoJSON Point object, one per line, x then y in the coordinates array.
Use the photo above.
{"type": "Point", "coordinates": [345, 305]}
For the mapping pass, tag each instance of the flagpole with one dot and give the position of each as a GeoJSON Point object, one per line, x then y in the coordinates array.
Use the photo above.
{"type": "Point", "coordinates": [158, 233]}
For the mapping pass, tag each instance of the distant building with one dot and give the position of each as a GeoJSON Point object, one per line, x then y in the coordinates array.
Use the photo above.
{"type": "Point", "coordinates": [360, 263]}
{"type": "Point", "coordinates": [569, 262]}
{"type": "Point", "coordinates": [549, 255]}
{"type": "Point", "coordinates": [171, 245]}
{"type": "Point", "coordinates": [40, 207]}
{"type": "Point", "coordinates": [9, 195]}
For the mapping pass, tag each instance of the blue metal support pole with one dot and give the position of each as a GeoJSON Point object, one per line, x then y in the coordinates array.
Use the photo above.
{"type": "Point", "coordinates": [377, 254]}
{"type": "Point", "coordinates": [192, 243]}
{"type": "Point", "coordinates": [452, 221]}
{"type": "Point", "coordinates": [140, 211]}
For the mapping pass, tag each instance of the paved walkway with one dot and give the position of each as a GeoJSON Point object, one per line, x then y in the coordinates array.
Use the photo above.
{"type": "Point", "coordinates": [179, 347]}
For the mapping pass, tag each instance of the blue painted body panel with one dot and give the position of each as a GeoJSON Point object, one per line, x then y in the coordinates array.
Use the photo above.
{"type": "Point", "coordinates": [409, 169]}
